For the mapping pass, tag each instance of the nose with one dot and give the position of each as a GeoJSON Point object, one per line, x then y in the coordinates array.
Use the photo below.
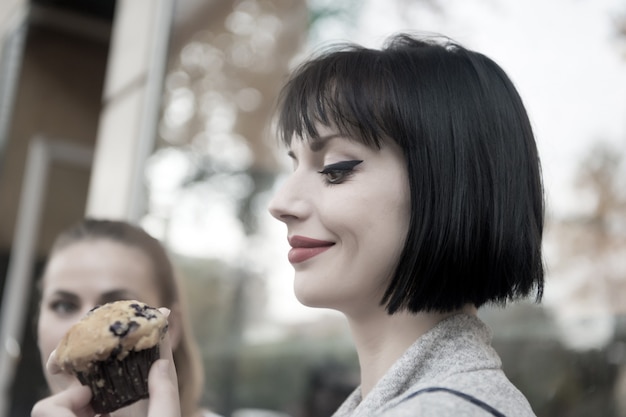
{"type": "Point", "coordinates": [88, 307]}
{"type": "Point", "coordinates": [289, 201]}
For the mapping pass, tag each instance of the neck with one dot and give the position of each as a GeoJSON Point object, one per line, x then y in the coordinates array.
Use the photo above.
{"type": "Point", "coordinates": [381, 339]}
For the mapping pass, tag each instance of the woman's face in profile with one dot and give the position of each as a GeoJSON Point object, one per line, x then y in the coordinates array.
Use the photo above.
{"type": "Point", "coordinates": [346, 207]}
{"type": "Point", "coordinates": [81, 276]}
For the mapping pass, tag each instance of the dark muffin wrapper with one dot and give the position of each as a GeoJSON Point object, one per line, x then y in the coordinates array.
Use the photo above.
{"type": "Point", "coordinates": [118, 383]}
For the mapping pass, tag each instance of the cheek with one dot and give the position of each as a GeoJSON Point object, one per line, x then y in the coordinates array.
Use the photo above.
{"type": "Point", "coordinates": [50, 331]}
{"type": "Point", "coordinates": [388, 232]}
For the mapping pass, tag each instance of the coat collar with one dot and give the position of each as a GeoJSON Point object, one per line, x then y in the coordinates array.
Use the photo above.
{"type": "Point", "coordinates": [459, 343]}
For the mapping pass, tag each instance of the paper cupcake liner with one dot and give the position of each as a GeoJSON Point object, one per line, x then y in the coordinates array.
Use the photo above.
{"type": "Point", "coordinates": [118, 383]}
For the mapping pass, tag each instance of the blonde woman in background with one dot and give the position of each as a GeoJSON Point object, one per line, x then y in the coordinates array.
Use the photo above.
{"type": "Point", "coordinates": [99, 261]}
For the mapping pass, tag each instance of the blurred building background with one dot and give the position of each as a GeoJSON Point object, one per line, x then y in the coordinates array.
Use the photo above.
{"type": "Point", "coordinates": [159, 112]}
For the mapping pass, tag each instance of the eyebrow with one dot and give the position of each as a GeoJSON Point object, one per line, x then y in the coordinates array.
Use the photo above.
{"type": "Point", "coordinates": [318, 143]}
{"type": "Point", "coordinates": [66, 294]}
{"type": "Point", "coordinates": [117, 294]}
{"type": "Point", "coordinates": [114, 295]}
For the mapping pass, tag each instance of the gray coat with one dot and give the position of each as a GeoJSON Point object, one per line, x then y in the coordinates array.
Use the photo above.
{"type": "Point", "coordinates": [455, 354]}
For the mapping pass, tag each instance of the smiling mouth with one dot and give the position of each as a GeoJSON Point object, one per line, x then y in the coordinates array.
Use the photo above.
{"type": "Point", "coordinates": [304, 248]}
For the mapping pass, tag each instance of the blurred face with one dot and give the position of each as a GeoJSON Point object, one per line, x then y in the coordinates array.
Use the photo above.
{"type": "Point", "coordinates": [346, 207]}
{"type": "Point", "coordinates": [81, 276]}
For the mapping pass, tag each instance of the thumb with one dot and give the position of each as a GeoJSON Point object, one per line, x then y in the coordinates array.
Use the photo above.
{"type": "Point", "coordinates": [163, 391]}
{"type": "Point", "coordinates": [163, 384]}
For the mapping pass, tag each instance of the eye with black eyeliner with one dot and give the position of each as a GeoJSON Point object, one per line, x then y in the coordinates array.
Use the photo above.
{"type": "Point", "coordinates": [336, 173]}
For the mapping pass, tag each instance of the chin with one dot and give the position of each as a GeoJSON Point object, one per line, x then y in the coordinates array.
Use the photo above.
{"type": "Point", "coordinates": [315, 300]}
{"type": "Point", "coordinates": [307, 301]}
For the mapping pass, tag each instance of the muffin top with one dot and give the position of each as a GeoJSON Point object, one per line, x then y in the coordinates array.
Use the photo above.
{"type": "Point", "coordinates": [110, 331]}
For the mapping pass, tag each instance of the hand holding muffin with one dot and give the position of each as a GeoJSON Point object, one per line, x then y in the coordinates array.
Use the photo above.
{"type": "Point", "coordinates": [110, 351]}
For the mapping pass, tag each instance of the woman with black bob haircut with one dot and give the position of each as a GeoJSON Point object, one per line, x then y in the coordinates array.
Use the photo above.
{"type": "Point", "coordinates": [474, 178]}
{"type": "Point", "coordinates": [429, 206]}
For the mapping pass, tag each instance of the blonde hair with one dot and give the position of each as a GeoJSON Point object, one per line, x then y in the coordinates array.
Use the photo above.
{"type": "Point", "coordinates": [187, 357]}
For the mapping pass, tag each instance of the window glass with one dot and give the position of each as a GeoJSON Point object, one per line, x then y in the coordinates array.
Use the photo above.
{"type": "Point", "coordinates": [217, 164]}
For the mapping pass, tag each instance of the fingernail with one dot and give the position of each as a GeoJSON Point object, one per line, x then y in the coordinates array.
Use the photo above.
{"type": "Point", "coordinates": [165, 311]}
{"type": "Point", "coordinates": [52, 365]}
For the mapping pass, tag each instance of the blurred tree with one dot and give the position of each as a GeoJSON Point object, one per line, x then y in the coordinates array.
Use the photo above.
{"type": "Point", "coordinates": [587, 275]}
{"type": "Point", "coordinates": [592, 244]}
{"type": "Point", "coordinates": [214, 162]}
{"type": "Point", "coordinates": [620, 31]}
{"type": "Point", "coordinates": [220, 92]}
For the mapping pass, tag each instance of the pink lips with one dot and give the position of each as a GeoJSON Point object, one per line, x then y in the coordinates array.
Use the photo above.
{"type": "Point", "coordinates": [303, 248]}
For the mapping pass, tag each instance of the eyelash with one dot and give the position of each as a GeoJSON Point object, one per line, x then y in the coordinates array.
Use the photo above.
{"type": "Point", "coordinates": [337, 173]}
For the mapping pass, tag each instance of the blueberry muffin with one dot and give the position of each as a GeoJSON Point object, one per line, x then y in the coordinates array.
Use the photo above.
{"type": "Point", "coordinates": [111, 350]}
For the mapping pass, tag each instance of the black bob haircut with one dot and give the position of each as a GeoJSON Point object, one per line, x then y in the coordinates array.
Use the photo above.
{"type": "Point", "coordinates": [476, 195]}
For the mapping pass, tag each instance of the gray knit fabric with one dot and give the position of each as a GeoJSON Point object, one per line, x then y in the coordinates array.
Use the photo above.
{"type": "Point", "coordinates": [455, 354]}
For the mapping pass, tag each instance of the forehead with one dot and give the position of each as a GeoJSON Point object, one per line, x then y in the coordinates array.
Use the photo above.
{"type": "Point", "coordinates": [98, 263]}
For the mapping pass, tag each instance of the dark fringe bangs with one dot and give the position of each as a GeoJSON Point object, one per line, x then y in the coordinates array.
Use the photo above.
{"type": "Point", "coordinates": [335, 90]}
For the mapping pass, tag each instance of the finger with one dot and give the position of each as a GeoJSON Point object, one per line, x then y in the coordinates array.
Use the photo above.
{"type": "Point", "coordinates": [163, 384]}
{"type": "Point", "coordinates": [72, 402]}
{"type": "Point", "coordinates": [163, 389]}
{"type": "Point", "coordinates": [52, 365]}
{"type": "Point", "coordinates": [165, 349]}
